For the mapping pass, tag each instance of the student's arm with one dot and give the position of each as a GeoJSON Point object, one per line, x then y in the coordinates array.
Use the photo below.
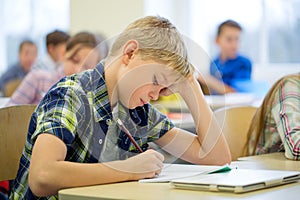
{"type": "Point", "coordinates": [209, 145]}
{"type": "Point", "coordinates": [245, 70]}
{"type": "Point", "coordinates": [49, 172]}
{"type": "Point", "coordinates": [26, 91]}
{"type": "Point", "coordinates": [215, 85]}
{"type": "Point", "coordinates": [287, 117]}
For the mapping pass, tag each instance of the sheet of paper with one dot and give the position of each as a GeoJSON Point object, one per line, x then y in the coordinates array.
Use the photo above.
{"type": "Point", "coordinates": [175, 171]}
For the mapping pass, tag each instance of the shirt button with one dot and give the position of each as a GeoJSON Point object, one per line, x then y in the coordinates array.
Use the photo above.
{"type": "Point", "coordinates": [134, 114]}
{"type": "Point", "coordinates": [100, 141]}
{"type": "Point", "coordinates": [108, 122]}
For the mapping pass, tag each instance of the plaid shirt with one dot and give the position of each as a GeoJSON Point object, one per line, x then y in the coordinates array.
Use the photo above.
{"type": "Point", "coordinates": [282, 123]}
{"type": "Point", "coordinates": [77, 110]}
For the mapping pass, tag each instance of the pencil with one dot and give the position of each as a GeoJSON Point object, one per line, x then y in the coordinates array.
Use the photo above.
{"type": "Point", "coordinates": [129, 135]}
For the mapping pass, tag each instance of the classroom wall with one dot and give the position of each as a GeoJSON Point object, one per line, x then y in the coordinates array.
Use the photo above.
{"type": "Point", "coordinates": [109, 17]}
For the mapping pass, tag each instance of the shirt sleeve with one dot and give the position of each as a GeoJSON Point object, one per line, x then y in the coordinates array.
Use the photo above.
{"type": "Point", "coordinates": [26, 91]}
{"type": "Point", "coordinates": [245, 69]}
{"type": "Point", "coordinates": [158, 124]}
{"type": "Point", "coordinates": [58, 112]}
{"type": "Point", "coordinates": [287, 117]}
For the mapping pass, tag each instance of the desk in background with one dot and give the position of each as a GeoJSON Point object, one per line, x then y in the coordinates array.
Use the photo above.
{"type": "Point", "coordinates": [3, 101]}
{"type": "Point", "coordinates": [232, 99]}
{"type": "Point", "coordinates": [214, 101]}
{"type": "Point", "coordinates": [275, 161]}
{"type": "Point", "coordinates": [162, 191]}
{"type": "Point", "coordinates": [179, 113]}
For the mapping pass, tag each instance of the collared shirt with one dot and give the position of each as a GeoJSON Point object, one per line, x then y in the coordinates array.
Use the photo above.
{"type": "Point", "coordinates": [77, 110]}
{"type": "Point", "coordinates": [282, 123]}
{"type": "Point", "coordinates": [34, 86]}
{"type": "Point", "coordinates": [231, 70]}
{"type": "Point", "coordinates": [13, 73]}
{"type": "Point", "coordinates": [46, 63]}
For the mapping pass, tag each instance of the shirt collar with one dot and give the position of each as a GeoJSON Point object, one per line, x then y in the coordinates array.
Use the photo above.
{"type": "Point", "coordinates": [99, 93]}
{"type": "Point", "coordinates": [102, 108]}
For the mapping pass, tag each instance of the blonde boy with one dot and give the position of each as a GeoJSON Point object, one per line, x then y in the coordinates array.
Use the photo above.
{"type": "Point", "coordinates": [73, 139]}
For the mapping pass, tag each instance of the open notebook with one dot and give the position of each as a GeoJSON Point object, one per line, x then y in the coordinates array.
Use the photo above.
{"type": "Point", "coordinates": [237, 180]}
{"type": "Point", "coordinates": [172, 172]}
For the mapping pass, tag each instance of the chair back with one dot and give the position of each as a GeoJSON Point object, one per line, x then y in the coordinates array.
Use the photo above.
{"type": "Point", "coordinates": [11, 86]}
{"type": "Point", "coordinates": [235, 123]}
{"type": "Point", "coordinates": [14, 122]}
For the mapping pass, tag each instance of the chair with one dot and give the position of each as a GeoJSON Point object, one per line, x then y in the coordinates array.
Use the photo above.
{"type": "Point", "coordinates": [11, 86]}
{"type": "Point", "coordinates": [13, 130]}
{"type": "Point", "coordinates": [235, 123]}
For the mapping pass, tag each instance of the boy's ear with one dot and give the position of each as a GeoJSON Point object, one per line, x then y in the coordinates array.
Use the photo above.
{"type": "Point", "coordinates": [130, 48]}
{"type": "Point", "coordinates": [217, 40]}
{"type": "Point", "coordinates": [50, 48]}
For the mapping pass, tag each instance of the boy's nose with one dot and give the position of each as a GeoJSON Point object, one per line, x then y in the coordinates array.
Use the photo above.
{"type": "Point", "coordinates": [154, 94]}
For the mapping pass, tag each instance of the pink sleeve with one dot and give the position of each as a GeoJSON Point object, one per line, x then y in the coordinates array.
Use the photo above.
{"type": "Point", "coordinates": [27, 90]}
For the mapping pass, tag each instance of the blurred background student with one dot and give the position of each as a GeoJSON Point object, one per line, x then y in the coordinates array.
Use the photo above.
{"type": "Point", "coordinates": [276, 124]}
{"type": "Point", "coordinates": [82, 53]}
{"type": "Point", "coordinates": [229, 66]}
{"type": "Point", "coordinates": [56, 47]}
{"type": "Point", "coordinates": [16, 72]}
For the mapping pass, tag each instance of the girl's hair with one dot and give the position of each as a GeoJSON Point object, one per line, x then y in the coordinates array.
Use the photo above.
{"type": "Point", "coordinates": [79, 41]}
{"type": "Point", "coordinates": [259, 120]}
{"type": "Point", "coordinates": [82, 38]}
{"type": "Point", "coordinates": [159, 40]}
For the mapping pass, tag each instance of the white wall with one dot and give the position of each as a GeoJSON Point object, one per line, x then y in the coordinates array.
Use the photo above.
{"type": "Point", "coordinates": [112, 16]}
{"type": "Point", "coordinates": [3, 62]}
{"type": "Point", "coordinates": [109, 17]}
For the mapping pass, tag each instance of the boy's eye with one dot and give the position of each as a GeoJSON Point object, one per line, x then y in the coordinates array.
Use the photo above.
{"type": "Point", "coordinates": [154, 80]}
{"type": "Point", "coordinates": [75, 59]}
{"type": "Point", "coordinates": [164, 92]}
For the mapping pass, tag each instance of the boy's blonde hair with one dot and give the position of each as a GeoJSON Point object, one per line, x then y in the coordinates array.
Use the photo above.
{"type": "Point", "coordinates": [159, 40]}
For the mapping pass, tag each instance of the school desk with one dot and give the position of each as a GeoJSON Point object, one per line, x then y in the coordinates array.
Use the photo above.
{"type": "Point", "coordinates": [275, 161]}
{"type": "Point", "coordinates": [161, 191]}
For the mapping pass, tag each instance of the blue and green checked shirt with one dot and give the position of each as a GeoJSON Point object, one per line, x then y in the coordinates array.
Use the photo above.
{"type": "Point", "coordinates": [77, 110]}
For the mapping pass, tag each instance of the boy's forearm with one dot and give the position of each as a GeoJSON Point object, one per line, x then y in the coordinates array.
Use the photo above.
{"type": "Point", "coordinates": [194, 98]}
{"type": "Point", "coordinates": [208, 130]}
{"type": "Point", "coordinates": [49, 172]}
{"type": "Point", "coordinates": [215, 85]}
{"type": "Point", "coordinates": [65, 174]}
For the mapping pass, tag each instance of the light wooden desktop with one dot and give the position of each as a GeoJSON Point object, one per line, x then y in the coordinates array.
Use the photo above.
{"type": "Point", "coordinates": [136, 190]}
{"type": "Point", "coordinates": [275, 161]}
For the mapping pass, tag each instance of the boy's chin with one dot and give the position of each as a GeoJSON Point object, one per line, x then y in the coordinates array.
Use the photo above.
{"type": "Point", "coordinates": [232, 56]}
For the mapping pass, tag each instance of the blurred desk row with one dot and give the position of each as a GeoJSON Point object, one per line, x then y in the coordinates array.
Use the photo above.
{"type": "Point", "coordinates": [179, 113]}
{"type": "Point", "coordinates": [214, 101]}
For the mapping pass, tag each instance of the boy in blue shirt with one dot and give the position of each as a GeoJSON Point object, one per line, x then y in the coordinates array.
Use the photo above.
{"type": "Point", "coordinates": [230, 67]}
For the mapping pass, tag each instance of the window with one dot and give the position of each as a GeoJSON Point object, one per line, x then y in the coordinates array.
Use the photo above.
{"type": "Point", "coordinates": [283, 22]}
{"type": "Point", "coordinates": [29, 19]}
{"type": "Point", "coordinates": [270, 36]}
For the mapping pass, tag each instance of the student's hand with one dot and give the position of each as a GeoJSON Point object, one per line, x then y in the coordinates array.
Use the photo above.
{"type": "Point", "coordinates": [144, 165]}
{"type": "Point", "coordinates": [179, 87]}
